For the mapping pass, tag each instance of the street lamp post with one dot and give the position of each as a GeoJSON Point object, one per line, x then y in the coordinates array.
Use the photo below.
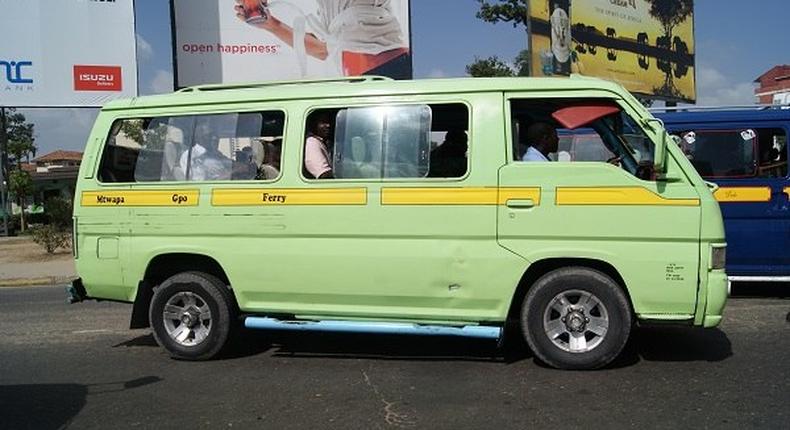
{"type": "Point", "coordinates": [4, 170]}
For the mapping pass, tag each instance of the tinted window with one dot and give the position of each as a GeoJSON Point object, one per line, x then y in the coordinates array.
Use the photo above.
{"type": "Point", "coordinates": [772, 144]}
{"type": "Point", "coordinates": [721, 153]}
{"type": "Point", "coordinates": [738, 153]}
{"type": "Point", "coordinates": [237, 146]}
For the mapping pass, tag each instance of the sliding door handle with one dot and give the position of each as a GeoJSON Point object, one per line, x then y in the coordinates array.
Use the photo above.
{"type": "Point", "coordinates": [520, 203]}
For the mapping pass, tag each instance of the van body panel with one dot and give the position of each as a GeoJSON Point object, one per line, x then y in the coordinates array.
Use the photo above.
{"type": "Point", "coordinates": [661, 281]}
{"type": "Point", "coordinates": [756, 210]}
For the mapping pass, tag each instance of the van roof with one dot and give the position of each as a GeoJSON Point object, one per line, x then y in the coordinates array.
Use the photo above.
{"type": "Point", "coordinates": [741, 114]}
{"type": "Point", "coordinates": [355, 87]}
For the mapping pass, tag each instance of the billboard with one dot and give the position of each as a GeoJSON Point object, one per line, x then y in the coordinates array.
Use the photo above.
{"type": "Point", "coordinates": [232, 41]}
{"type": "Point", "coordinates": [66, 52]}
{"type": "Point", "coordinates": [647, 46]}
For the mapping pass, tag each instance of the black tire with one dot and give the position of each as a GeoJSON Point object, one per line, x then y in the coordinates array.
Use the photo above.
{"type": "Point", "coordinates": [558, 288]}
{"type": "Point", "coordinates": [209, 335]}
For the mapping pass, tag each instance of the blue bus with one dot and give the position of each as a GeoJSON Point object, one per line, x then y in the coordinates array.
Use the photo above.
{"type": "Point", "coordinates": [744, 151]}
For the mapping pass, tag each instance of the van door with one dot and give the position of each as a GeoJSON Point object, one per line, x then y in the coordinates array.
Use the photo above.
{"type": "Point", "coordinates": [748, 161]}
{"type": "Point", "coordinates": [405, 226]}
{"type": "Point", "coordinates": [647, 230]}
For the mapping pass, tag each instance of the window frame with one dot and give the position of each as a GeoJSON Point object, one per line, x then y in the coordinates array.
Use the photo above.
{"type": "Point", "coordinates": [395, 101]}
{"type": "Point", "coordinates": [638, 115]}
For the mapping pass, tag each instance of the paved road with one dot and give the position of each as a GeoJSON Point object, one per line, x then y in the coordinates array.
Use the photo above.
{"type": "Point", "coordinates": [79, 367]}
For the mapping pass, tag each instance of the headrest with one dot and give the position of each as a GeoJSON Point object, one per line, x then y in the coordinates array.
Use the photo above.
{"type": "Point", "coordinates": [258, 152]}
{"type": "Point", "coordinates": [174, 134]}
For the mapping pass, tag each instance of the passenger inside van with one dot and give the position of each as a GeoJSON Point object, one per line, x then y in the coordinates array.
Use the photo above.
{"type": "Point", "coordinates": [449, 160]}
{"type": "Point", "coordinates": [542, 140]}
{"type": "Point", "coordinates": [318, 146]}
{"type": "Point", "coordinates": [773, 156]}
{"type": "Point", "coordinates": [244, 166]}
{"type": "Point", "coordinates": [266, 158]}
{"type": "Point", "coordinates": [204, 161]}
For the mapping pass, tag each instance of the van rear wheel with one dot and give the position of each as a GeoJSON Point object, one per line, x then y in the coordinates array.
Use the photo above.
{"type": "Point", "coordinates": [576, 318]}
{"type": "Point", "coordinates": [191, 314]}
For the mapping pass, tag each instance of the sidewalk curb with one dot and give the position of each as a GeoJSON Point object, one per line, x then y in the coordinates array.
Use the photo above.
{"type": "Point", "coordinates": [44, 280]}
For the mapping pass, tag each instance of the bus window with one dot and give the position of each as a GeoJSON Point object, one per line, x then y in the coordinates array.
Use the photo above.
{"type": "Point", "coordinates": [722, 153]}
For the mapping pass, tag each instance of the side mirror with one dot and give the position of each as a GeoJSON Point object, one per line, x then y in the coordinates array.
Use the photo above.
{"type": "Point", "coordinates": [660, 155]}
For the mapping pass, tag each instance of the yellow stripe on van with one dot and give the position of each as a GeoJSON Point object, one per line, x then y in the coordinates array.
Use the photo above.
{"type": "Point", "coordinates": [636, 196]}
{"type": "Point", "coordinates": [743, 194]}
{"type": "Point", "coordinates": [141, 198]}
{"type": "Point", "coordinates": [289, 196]}
{"type": "Point", "coordinates": [456, 196]}
{"type": "Point", "coordinates": [787, 191]}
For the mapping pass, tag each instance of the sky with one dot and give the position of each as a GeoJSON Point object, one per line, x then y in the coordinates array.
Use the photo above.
{"type": "Point", "coordinates": [734, 45]}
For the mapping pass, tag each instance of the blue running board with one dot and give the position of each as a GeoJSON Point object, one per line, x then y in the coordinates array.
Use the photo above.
{"type": "Point", "coordinates": [477, 331]}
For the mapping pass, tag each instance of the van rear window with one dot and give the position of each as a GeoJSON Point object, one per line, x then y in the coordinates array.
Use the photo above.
{"type": "Point", "coordinates": [232, 146]}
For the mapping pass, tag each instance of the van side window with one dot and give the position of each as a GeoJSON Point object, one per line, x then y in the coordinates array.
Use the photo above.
{"type": "Point", "coordinates": [772, 144]}
{"type": "Point", "coordinates": [736, 153]}
{"type": "Point", "coordinates": [235, 146]}
{"type": "Point", "coordinates": [586, 130]}
{"type": "Point", "coordinates": [395, 141]}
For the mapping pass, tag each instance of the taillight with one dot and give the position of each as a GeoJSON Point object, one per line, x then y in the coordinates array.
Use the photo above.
{"type": "Point", "coordinates": [718, 256]}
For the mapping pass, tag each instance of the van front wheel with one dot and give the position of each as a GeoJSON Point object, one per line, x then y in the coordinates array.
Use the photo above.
{"type": "Point", "coordinates": [576, 318]}
{"type": "Point", "coordinates": [191, 314]}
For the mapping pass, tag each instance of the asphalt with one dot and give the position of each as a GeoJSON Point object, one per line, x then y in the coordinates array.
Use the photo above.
{"type": "Point", "coordinates": [78, 366]}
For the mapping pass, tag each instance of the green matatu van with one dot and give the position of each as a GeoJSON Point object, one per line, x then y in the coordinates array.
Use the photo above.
{"type": "Point", "coordinates": [366, 204]}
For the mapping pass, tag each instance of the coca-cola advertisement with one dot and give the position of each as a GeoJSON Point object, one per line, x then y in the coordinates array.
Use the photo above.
{"type": "Point", "coordinates": [231, 41]}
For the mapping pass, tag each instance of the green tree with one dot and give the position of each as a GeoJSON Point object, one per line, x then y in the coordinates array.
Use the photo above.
{"type": "Point", "coordinates": [20, 184]}
{"type": "Point", "coordinates": [515, 12]}
{"type": "Point", "coordinates": [489, 67]}
{"type": "Point", "coordinates": [21, 143]}
{"type": "Point", "coordinates": [58, 211]}
{"type": "Point", "coordinates": [522, 63]}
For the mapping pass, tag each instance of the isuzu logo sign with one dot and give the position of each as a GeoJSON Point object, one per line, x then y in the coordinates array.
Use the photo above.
{"type": "Point", "coordinates": [97, 78]}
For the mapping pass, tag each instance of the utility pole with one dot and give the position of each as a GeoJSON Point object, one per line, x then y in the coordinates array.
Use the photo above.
{"type": "Point", "coordinates": [4, 170]}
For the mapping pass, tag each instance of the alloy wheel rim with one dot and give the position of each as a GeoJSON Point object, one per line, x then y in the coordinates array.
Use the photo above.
{"type": "Point", "coordinates": [187, 318]}
{"type": "Point", "coordinates": [576, 321]}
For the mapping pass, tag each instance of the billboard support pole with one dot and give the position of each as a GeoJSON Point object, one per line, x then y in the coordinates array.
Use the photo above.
{"type": "Point", "coordinates": [4, 170]}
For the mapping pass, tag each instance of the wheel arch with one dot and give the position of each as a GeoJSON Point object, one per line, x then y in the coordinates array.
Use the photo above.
{"type": "Point", "coordinates": [164, 266]}
{"type": "Point", "coordinates": [542, 267]}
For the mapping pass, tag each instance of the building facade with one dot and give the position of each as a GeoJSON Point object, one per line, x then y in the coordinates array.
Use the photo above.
{"type": "Point", "coordinates": [774, 86]}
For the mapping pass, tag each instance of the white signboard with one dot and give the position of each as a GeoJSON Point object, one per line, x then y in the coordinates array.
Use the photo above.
{"type": "Point", "coordinates": [66, 52]}
{"type": "Point", "coordinates": [232, 41]}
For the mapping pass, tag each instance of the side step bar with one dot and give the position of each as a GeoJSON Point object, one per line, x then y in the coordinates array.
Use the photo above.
{"type": "Point", "coordinates": [476, 331]}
